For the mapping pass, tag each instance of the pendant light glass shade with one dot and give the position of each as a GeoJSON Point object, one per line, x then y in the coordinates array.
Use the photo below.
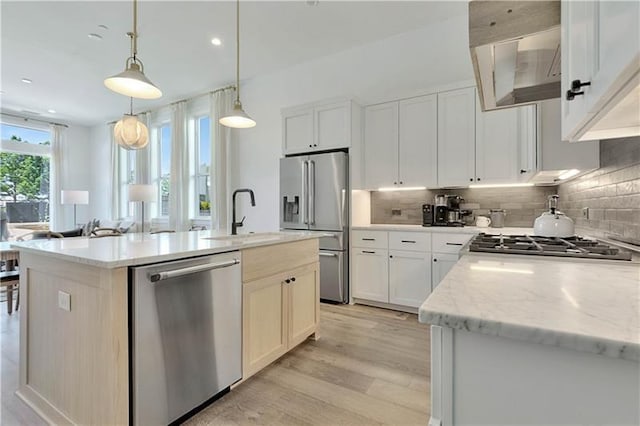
{"type": "Point", "coordinates": [132, 82]}
{"type": "Point", "coordinates": [130, 133]}
{"type": "Point", "coordinates": [237, 118]}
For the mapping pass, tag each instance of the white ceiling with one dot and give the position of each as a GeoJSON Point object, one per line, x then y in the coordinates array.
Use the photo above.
{"type": "Point", "coordinates": [47, 42]}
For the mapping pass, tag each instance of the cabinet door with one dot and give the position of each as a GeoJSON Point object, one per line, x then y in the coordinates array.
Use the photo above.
{"type": "Point", "coordinates": [418, 142]}
{"type": "Point", "coordinates": [381, 145]}
{"type": "Point", "coordinates": [370, 274]}
{"type": "Point", "coordinates": [264, 334]}
{"type": "Point", "coordinates": [297, 130]}
{"type": "Point", "coordinates": [441, 265]}
{"type": "Point", "coordinates": [456, 137]}
{"type": "Point", "coordinates": [528, 146]}
{"type": "Point", "coordinates": [333, 126]}
{"type": "Point", "coordinates": [497, 139]}
{"type": "Point", "coordinates": [409, 277]}
{"type": "Point", "coordinates": [303, 303]}
{"type": "Point", "coordinates": [577, 49]}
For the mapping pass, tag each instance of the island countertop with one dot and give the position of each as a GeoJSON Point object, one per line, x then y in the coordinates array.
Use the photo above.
{"type": "Point", "coordinates": [591, 306]}
{"type": "Point", "coordinates": [139, 249]}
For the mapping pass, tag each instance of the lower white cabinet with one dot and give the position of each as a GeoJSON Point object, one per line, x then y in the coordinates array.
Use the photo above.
{"type": "Point", "coordinates": [370, 274]}
{"type": "Point", "coordinates": [441, 264]}
{"type": "Point", "coordinates": [409, 277]}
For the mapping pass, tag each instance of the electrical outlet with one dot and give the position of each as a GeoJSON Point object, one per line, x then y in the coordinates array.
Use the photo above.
{"type": "Point", "coordinates": [396, 212]}
{"type": "Point", "coordinates": [585, 212]}
{"type": "Point", "coordinates": [64, 301]}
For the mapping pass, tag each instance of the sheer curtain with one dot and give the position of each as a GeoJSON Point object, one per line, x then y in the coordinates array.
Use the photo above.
{"type": "Point", "coordinates": [56, 218]}
{"type": "Point", "coordinates": [114, 162]}
{"type": "Point", "coordinates": [221, 102]}
{"type": "Point", "coordinates": [179, 194]}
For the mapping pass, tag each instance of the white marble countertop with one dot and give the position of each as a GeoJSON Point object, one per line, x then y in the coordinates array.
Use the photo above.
{"type": "Point", "coordinates": [446, 229]}
{"type": "Point", "coordinates": [140, 249]}
{"type": "Point", "coordinates": [591, 306]}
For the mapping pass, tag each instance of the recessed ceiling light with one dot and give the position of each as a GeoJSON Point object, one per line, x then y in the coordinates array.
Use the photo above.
{"type": "Point", "coordinates": [95, 36]}
{"type": "Point", "coordinates": [27, 80]}
{"type": "Point", "coordinates": [216, 41]}
{"type": "Point", "coordinates": [51, 111]}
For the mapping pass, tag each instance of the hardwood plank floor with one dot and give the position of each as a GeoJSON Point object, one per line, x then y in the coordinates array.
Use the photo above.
{"type": "Point", "coordinates": [369, 367]}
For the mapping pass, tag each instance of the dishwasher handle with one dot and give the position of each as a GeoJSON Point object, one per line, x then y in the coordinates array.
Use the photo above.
{"type": "Point", "coordinates": [165, 275]}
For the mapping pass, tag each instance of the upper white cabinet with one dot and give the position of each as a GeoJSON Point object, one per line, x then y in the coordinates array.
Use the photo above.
{"type": "Point", "coordinates": [319, 127]}
{"type": "Point", "coordinates": [456, 137]}
{"type": "Point", "coordinates": [600, 69]}
{"type": "Point", "coordinates": [400, 147]}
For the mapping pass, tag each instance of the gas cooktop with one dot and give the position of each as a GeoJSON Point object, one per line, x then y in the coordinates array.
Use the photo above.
{"type": "Point", "coordinates": [547, 246]}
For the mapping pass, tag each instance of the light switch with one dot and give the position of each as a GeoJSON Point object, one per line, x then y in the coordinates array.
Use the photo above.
{"type": "Point", "coordinates": [64, 301]}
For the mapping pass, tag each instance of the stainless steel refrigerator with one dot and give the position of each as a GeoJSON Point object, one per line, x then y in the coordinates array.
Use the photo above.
{"type": "Point", "coordinates": [314, 196]}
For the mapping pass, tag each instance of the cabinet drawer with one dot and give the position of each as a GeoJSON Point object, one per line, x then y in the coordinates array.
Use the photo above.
{"type": "Point", "coordinates": [370, 239]}
{"type": "Point", "coordinates": [412, 241]}
{"type": "Point", "coordinates": [260, 262]}
{"type": "Point", "coordinates": [449, 243]}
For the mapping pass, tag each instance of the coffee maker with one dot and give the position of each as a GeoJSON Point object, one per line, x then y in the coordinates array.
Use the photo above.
{"type": "Point", "coordinates": [440, 211]}
{"type": "Point", "coordinates": [447, 212]}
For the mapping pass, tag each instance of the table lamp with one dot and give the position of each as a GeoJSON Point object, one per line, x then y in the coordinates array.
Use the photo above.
{"type": "Point", "coordinates": [74, 197]}
{"type": "Point", "coordinates": [142, 193]}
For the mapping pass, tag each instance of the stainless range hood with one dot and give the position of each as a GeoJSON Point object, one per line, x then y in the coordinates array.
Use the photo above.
{"type": "Point", "coordinates": [515, 50]}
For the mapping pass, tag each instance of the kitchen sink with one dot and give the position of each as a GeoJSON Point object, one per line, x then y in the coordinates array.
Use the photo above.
{"type": "Point", "coordinates": [247, 238]}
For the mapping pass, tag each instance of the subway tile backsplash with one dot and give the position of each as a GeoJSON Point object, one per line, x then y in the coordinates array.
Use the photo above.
{"type": "Point", "coordinates": [611, 193]}
{"type": "Point", "coordinates": [523, 205]}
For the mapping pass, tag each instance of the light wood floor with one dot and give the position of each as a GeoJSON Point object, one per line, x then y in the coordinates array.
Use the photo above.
{"type": "Point", "coordinates": [370, 366]}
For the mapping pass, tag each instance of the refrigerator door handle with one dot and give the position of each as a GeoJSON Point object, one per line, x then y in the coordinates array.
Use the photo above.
{"type": "Point", "coordinates": [312, 192]}
{"type": "Point", "coordinates": [305, 192]}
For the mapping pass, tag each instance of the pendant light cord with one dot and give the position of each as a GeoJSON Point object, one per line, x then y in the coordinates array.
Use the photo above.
{"type": "Point", "coordinates": [237, 50]}
{"type": "Point", "coordinates": [134, 38]}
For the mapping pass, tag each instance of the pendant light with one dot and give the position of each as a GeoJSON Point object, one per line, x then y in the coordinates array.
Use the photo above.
{"type": "Point", "coordinates": [237, 118]}
{"type": "Point", "coordinates": [130, 133]}
{"type": "Point", "coordinates": [132, 81]}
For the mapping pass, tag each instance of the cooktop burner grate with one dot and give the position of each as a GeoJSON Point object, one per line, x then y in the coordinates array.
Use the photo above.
{"type": "Point", "coordinates": [547, 246]}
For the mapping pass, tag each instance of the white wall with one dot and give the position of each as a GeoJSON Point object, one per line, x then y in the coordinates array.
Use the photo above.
{"type": "Point", "coordinates": [385, 70]}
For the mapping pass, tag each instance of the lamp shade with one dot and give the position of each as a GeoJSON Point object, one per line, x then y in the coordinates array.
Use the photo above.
{"type": "Point", "coordinates": [142, 192]}
{"type": "Point", "coordinates": [237, 118]}
{"type": "Point", "coordinates": [132, 82]}
{"type": "Point", "coordinates": [74, 197]}
{"type": "Point", "coordinates": [130, 133]}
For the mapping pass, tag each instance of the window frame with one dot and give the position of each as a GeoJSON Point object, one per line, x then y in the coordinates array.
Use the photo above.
{"type": "Point", "coordinates": [195, 172]}
{"type": "Point", "coordinates": [156, 171]}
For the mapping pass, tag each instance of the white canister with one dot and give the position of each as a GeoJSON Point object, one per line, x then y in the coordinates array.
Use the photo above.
{"type": "Point", "coordinates": [483, 222]}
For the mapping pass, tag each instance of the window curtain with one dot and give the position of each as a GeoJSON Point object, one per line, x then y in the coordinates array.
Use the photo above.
{"type": "Point", "coordinates": [56, 217]}
{"type": "Point", "coordinates": [143, 172]}
{"type": "Point", "coordinates": [178, 196]}
{"type": "Point", "coordinates": [114, 165]}
{"type": "Point", "coordinates": [221, 103]}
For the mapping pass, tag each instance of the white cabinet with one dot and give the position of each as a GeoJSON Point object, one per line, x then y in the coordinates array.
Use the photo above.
{"type": "Point", "coordinates": [601, 47]}
{"type": "Point", "coordinates": [456, 137]}
{"type": "Point", "coordinates": [381, 145]}
{"type": "Point", "coordinates": [441, 265]}
{"type": "Point", "coordinates": [370, 274]}
{"type": "Point", "coordinates": [319, 127]}
{"type": "Point", "coordinates": [409, 277]}
{"type": "Point", "coordinates": [401, 143]}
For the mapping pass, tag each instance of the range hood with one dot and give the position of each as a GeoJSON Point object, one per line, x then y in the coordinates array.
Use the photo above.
{"type": "Point", "coordinates": [515, 50]}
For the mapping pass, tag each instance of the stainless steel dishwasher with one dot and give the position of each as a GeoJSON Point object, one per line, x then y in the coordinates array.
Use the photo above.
{"type": "Point", "coordinates": [186, 339]}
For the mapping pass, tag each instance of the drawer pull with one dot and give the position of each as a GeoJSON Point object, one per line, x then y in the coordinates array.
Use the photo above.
{"type": "Point", "coordinates": [408, 241]}
{"type": "Point", "coordinates": [454, 244]}
{"type": "Point", "coordinates": [368, 239]}
{"type": "Point", "coordinates": [370, 252]}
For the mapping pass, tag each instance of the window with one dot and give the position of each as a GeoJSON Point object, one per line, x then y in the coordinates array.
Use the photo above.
{"type": "Point", "coordinates": [24, 180]}
{"type": "Point", "coordinates": [164, 168]}
{"type": "Point", "coordinates": [203, 165]}
{"type": "Point", "coordinates": [127, 176]}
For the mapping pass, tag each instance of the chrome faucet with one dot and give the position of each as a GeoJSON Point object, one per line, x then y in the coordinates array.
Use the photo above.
{"type": "Point", "coordinates": [235, 225]}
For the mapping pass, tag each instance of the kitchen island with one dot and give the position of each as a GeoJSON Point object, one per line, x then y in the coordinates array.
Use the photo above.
{"type": "Point", "coordinates": [517, 339]}
{"type": "Point", "coordinates": [77, 319]}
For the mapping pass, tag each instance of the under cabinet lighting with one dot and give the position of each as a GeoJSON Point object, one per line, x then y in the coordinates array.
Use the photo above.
{"type": "Point", "coordinates": [405, 188]}
{"type": "Point", "coordinates": [501, 185]}
{"type": "Point", "coordinates": [568, 174]}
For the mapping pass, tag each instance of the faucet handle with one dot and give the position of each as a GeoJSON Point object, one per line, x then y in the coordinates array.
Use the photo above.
{"type": "Point", "coordinates": [241, 223]}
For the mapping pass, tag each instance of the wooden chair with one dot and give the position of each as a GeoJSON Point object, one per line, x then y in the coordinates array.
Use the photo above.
{"type": "Point", "coordinates": [11, 280]}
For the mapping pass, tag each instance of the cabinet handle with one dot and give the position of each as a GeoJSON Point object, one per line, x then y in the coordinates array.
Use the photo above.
{"type": "Point", "coordinates": [454, 244]}
{"type": "Point", "coordinates": [401, 182]}
{"type": "Point", "coordinates": [287, 281]}
{"type": "Point", "coordinates": [470, 179]}
{"type": "Point", "coordinates": [408, 241]}
{"type": "Point", "coordinates": [577, 84]}
{"type": "Point", "coordinates": [368, 239]}
{"type": "Point", "coordinates": [370, 252]}
{"type": "Point", "coordinates": [395, 183]}
{"type": "Point", "coordinates": [435, 260]}
{"type": "Point", "coordinates": [309, 146]}
{"type": "Point", "coordinates": [522, 171]}
{"type": "Point", "coordinates": [478, 179]}
{"type": "Point", "coordinates": [293, 279]}
{"type": "Point", "coordinates": [391, 257]}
